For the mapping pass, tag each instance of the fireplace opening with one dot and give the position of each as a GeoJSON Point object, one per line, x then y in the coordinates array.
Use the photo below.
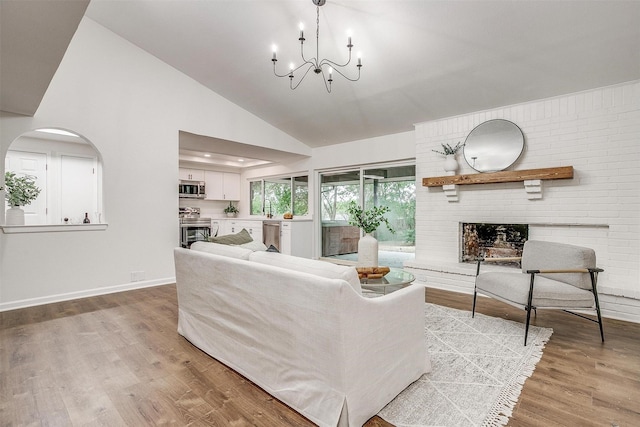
{"type": "Point", "coordinates": [492, 240]}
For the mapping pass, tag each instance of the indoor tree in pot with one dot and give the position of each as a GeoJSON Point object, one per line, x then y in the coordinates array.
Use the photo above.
{"type": "Point", "coordinates": [231, 210]}
{"type": "Point", "coordinates": [368, 220]}
{"type": "Point", "coordinates": [19, 191]}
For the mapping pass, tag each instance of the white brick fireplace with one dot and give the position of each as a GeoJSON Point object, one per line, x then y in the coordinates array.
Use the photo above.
{"type": "Point", "coordinates": [598, 133]}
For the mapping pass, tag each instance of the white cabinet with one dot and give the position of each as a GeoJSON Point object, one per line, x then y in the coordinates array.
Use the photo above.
{"type": "Point", "coordinates": [191, 174]}
{"type": "Point", "coordinates": [231, 185]}
{"type": "Point", "coordinates": [296, 238]}
{"type": "Point", "coordinates": [214, 185]}
{"type": "Point", "coordinates": [222, 185]}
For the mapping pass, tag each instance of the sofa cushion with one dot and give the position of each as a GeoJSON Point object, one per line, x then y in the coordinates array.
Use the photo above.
{"type": "Point", "coordinates": [254, 245]}
{"type": "Point", "coordinates": [224, 250]}
{"type": "Point", "coordinates": [311, 266]}
{"type": "Point", "coordinates": [233, 239]}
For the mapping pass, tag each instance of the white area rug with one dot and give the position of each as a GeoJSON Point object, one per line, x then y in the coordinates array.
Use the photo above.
{"type": "Point", "coordinates": [479, 368]}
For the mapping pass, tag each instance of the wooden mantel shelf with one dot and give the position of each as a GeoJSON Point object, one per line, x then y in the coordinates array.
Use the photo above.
{"type": "Point", "coordinates": [563, 172]}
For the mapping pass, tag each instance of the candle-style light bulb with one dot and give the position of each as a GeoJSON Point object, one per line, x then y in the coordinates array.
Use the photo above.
{"type": "Point", "coordinates": [291, 66]}
{"type": "Point", "coordinates": [301, 26]}
{"type": "Point", "coordinates": [330, 73]}
{"type": "Point", "coordinates": [349, 34]}
{"type": "Point", "coordinates": [274, 48]}
{"type": "Point", "coordinates": [359, 59]}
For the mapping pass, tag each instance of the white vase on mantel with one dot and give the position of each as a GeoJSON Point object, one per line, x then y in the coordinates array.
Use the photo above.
{"type": "Point", "coordinates": [367, 251]}
{"type": "Point", "coordinates": [450, 164]}
{"type": "Point", "coordinates": [14, 216]}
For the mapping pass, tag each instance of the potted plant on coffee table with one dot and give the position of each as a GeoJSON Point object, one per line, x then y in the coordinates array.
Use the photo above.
{"type": "Point", "coordinates": [231, 210]}
{"type": "Point", "coordinates": [368, 220]}
{"type": "Point", "coordinates": [19, 191]}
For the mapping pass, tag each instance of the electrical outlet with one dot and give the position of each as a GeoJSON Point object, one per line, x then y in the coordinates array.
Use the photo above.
{"type": "Point", "coordinates": [137, 276]}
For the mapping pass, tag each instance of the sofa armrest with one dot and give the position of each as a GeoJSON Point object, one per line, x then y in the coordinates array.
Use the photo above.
{"type": "Point", "coordinates": [385, 349]}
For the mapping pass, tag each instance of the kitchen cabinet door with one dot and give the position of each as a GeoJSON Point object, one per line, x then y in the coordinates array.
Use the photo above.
{"type": "Point", "coordinates": [231, 186]}
{"type": "Point", "coordinates": [296, 238]}
{"type": "Point", "coordinates": [222, 185]}
{"type": "Point", "coordinates": [214, 185]}
{"type": "Point", "coordinates": [191, 174]}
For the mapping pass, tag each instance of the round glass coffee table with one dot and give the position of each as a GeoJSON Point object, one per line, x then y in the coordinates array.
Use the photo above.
{"type": "Point", "coordinates": [396, 278]}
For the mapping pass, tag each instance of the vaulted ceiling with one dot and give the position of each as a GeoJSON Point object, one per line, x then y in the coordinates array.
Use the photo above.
{"type": "Point", "coordinates": [422, 60]}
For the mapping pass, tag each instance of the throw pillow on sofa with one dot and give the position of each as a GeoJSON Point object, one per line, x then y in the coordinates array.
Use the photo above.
{"type": "Point", "coordinates": [233, 239]}
{"type": "Point", "coordinates": [311, 266]}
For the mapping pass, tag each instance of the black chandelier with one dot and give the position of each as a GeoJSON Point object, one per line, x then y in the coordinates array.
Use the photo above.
{"type": "Point", "coordinates": [318, 66]}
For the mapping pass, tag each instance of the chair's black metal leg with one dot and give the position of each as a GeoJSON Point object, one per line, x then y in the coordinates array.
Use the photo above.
{"type": "Point", "coordinates": [528, 308]}
{"type": "Point", "coordinates": [594, 280]}
{"type": "Point", "coordinates": [473, 310]}
{"type": "Point", "coordinates": [526, 328]}
{"type": "Point", "coordinates": [475, 290]}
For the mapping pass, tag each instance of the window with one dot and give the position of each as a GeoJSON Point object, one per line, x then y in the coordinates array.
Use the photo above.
{"type": "Point", "coordinates": [67, 169]}
{"type": "Point", "coordinates": [277, 196]}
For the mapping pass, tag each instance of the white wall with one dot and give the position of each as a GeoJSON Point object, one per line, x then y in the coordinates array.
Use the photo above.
{"type": "Point", "coordinates": [131, 106]}
{"type": "Point", "coordinates": [598, 133]}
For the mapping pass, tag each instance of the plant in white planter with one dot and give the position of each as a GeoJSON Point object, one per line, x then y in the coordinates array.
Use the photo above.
{"type": "Point", "coordinates": [449, 152]}
{"type": "Point", "coordinates": [231, 210]}
{"type": "Point", "coordinates": [368, 220]}
{"type": "Point", "coordinates": [19, 191]}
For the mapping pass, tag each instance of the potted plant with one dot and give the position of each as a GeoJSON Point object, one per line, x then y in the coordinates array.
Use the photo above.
{"type": "Point", "coordinates": [368, 220]}
{"type": "Point", "coordinates": [449, 152]}
{"type": "Point", "coordinates": [19, 191]}
{"type": "Point", "coordinates": [231, 210]}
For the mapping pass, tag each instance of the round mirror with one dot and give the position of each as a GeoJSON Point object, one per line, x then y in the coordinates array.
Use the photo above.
{"type": "Point", "coordinates": [493, 145]}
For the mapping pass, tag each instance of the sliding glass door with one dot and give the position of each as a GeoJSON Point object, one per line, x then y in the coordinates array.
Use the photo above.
{"type": "Point", "coordinates": [392, 186]}
{"type": "Point", "coordinates": [336, 191]}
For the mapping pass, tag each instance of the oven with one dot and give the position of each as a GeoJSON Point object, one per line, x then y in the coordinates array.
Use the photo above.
{"type": "Point", "coordinates": [192, 227]}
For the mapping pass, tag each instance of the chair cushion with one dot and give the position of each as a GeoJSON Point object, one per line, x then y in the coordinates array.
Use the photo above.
{"type": "Point", "coordinates": [539, 255]}
{"type": "Point", "coordinates": [311, 266]}
{"type": "Point", "coordinates": [547, 293]}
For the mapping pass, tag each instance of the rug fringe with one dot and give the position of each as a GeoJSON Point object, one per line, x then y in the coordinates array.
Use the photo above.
{"type": "Point", "coordinates": [502, 410]}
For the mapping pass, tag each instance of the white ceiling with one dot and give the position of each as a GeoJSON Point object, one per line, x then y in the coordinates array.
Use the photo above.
{"type": "Point", "coordinates": [422, 59]}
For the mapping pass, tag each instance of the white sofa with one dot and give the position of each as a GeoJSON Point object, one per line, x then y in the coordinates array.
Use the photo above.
{"type": "Point", "coordinates": [301, 330]}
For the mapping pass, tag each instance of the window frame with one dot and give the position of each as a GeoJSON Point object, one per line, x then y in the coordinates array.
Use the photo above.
{"type": "Point", "coordinates": [292, 188]}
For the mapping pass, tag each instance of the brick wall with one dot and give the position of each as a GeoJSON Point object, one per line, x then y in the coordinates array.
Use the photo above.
{"type": "Point", "coordinates": [597, 132]}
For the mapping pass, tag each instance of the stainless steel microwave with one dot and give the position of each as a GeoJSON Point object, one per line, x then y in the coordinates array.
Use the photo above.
{"type": "Point", "coordinates": [191, 189]}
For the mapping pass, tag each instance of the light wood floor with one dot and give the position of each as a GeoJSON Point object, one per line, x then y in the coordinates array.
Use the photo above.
{"type": "Point", "coordinates": [117, 360]}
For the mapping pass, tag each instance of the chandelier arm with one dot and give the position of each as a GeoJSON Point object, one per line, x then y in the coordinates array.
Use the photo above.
{"type": "Point", "coordinates": [299, 81]}
{"type": "Point", "coordinates": [292, 71]}
{"type": "Point", "coordinates": [335, 64]}
{"type": "Point", "coordinates": [313, 61]}
{"type": "Point", "coordinates": [327, 86]}
{"type": "Point", "coordinates": [346, 77]}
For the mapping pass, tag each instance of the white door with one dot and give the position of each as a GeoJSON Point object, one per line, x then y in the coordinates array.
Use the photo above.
{"type": "Point", "coordinates": [78, 188]}
{"type": "Point", "coordinates": [34, 164]}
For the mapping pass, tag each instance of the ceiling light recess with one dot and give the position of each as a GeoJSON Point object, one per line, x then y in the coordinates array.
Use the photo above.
{"type": "Point", "coordinates": [318, 66]}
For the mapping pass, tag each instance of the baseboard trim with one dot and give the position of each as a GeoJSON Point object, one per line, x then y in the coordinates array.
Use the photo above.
{"type": "Point", "coordinates": [14, 305]}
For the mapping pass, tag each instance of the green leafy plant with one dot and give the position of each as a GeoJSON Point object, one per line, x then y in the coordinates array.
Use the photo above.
{"type": "Point", "coordinates": [447, 149]}
{"type": "Point", "coordinates": [369, 220]}
{"type": "Point", "coordinates": [20, 190]}
{"type": "Point", "coordinates": [230, 209]}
